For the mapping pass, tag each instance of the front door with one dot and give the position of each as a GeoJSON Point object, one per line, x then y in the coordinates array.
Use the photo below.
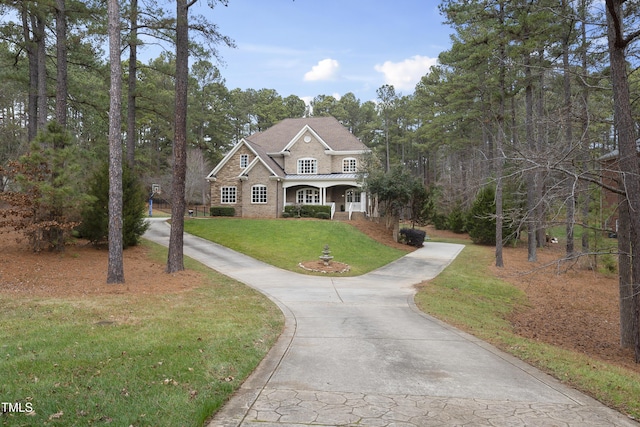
{"type": "Point", "coordinates": [352, 198]}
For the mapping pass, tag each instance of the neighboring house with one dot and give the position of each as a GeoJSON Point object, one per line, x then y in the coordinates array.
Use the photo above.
{"type": "Point", "coordinates": [311, 161]}
{"type": "Point", "coordinates": [611, 177]}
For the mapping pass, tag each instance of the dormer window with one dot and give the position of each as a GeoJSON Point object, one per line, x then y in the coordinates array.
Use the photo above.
{"type": "Point", "coordinates": [307, 166]}
{"type": "Point", "coordinates": [244, 160]}
{"type": "Point", "coordinates": [349, 165]}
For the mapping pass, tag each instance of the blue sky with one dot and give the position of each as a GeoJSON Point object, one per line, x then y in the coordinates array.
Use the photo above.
{"type": "Point", "coordinates": [328, 47]}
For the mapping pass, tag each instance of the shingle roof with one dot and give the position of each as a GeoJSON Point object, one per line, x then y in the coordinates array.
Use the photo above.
{"type": "Point", "coordinates": [275, 167]}
{"type": "Point", "coordinates": [332, 132]}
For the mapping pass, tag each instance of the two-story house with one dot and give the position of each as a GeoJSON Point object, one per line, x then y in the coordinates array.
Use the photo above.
{"type": "Point", "coordinates": [297, 161]}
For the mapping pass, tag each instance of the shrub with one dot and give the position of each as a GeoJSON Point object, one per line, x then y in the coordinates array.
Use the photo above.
{"type": "Point", "coordinates": [440, 221]}
{"type": "Point", "coordinates": [323, 215]}
{"type": "Point", "coordinates": [222, 211]}
{"type": "Point", "coordinates": [457, 220]}
{"type": "Point", "coordinates": [412, 236]}
{"type": "Point", "coordinates": [293, 211]}
{"type": "Point", "coordinates": [481, 221]}
{"type": "Point", "coordinates": [307, 211]}
{"type": "Point", "coordinates": [95, 215]}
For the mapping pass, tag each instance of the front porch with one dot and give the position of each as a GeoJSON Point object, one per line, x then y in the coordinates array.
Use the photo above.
{"type": "Point", "coordinates": [345, 200]}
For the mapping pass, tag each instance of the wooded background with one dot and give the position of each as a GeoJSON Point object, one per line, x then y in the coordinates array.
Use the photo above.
{"type": "Point", "coordinates": [528, 99]}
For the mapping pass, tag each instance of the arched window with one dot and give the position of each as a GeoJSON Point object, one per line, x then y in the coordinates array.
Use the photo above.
{"type": "Point", "coordinates": [308, 196]}
{"type": "Point", "coordinates": [259, 194]}
{"type": "Point", "coordinates": [349, 165]}
{"type": "Point", "coordinates": [307, 166]}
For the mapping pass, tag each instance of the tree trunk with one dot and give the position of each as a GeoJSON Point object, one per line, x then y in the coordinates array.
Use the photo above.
{"type": "Point", "coordinates": [498, 150]}
{"type": "Point", "coordinates": [115, 269]}
{"type": "Point", "coordinates": [531, 176]}
{"type": "Point", "coordinates": [30, 46]}
{"type": "Point", "coordinates": [175, 260]}
{"type": "Point", "coordinates": [627, 339]}
{"type": "Point", "coordinates": [628, 152]}
{"type": "Point", "coordinates": [585, 142]}
{"type": "Point", "coordinates": [131, 89]}
{"type": "Point", "coordinates": [541, 232]}
{"type": "Point", "coordinates": [41, 53]}
{"type": "Point", "coordinates": [568, 119]}
{"type": "Point", "coordinates": [61, 63]}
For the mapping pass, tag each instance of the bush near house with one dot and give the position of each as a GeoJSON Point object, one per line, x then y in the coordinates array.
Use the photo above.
{"type": "Point", "coordinates": [222, 211]}
{"type": "Point", "coordinates": [307, 211]}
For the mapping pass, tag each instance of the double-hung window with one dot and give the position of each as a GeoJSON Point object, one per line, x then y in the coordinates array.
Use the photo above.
{"type": "Point", "coordinates": [244, 160]}
{"type": "Point", "coordinates": [228, 195]}
{"type": "Point", "coordinates": [259, 194]}
{"type": "Point", "coordinates": [307, 166]}
{"type": "Point", "coordinates": [349, 165]}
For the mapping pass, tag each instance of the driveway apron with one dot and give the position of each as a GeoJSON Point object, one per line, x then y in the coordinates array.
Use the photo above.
{"type": "Point", "coordinates": [357, 352]}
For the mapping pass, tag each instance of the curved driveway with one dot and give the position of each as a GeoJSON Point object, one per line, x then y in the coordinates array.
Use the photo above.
{"type": "Point", "coordinates": [357, 352]}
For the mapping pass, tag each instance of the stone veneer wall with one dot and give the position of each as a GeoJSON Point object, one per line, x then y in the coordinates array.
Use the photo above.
{"type": "Point", "coordinates": [228, 176]}
{"type": "Point", "coordinates": [312, 149]}
{"type": "Point", "coordinates": [260, 175]}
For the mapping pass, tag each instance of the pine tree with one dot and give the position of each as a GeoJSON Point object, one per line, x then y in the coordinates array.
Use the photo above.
{"type": "Point", "coordinates": [95, 216]}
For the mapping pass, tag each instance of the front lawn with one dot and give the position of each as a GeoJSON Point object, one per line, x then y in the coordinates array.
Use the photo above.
{"type": "Point", "coordinates": [286, 243]}
{"type": "Point", "coordinates": [121, 359]}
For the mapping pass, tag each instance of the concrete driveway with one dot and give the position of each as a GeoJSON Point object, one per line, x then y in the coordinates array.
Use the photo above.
{"type": "Point", "coordinates": [357, 352]}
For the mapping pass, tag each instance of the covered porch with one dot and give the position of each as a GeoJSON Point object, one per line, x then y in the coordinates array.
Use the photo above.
{"type": "Point", "coordinates": [342, 195]}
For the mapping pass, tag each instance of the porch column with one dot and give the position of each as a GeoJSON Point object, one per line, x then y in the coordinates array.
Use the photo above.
{"type": "Point", "coordinates": [323, 195]}
{"type": "Point", "coordinates": [284, 197]}
{"type": "Point", "coordinates": [363, 201]}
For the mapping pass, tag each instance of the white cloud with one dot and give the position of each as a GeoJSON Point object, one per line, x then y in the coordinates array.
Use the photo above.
{"type": "Point", "coordinates": [327, 69]}
{"type": "Point", "coordinates": [406, 74]}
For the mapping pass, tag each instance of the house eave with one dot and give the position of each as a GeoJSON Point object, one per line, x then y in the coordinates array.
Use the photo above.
{"type": "Point", "coordinates": [346, 153]}
{"type": "Point", "coordinates": [322, 180]}
{"type": "Point", "coordinates": [285, 153]}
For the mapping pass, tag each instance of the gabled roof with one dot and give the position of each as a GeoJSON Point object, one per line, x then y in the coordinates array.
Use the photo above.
{"type": "Point", "coordinates": [265, 159]}
{"type": "Point", "coordinates": [261, 157]}
{"type": "Point", "coordinates": [280, 137]}
{"type": "Point", "coordinates": [329, 131]}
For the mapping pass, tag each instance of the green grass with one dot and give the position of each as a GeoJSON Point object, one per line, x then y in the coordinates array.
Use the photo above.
{"type": "Point", "coordinates": [161, 360]}
{"type": "Point", "coordinates": [468, 296]}
{"type": "Point", "coordinates": [285, 243]}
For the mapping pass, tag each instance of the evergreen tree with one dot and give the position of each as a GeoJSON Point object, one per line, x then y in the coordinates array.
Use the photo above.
{"type": "Point", "coordinates": [95, 215]}
{"type": "Point", "coordinates": [481, 220]}
{"type": "Point", "coordinates": [46, 191]}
